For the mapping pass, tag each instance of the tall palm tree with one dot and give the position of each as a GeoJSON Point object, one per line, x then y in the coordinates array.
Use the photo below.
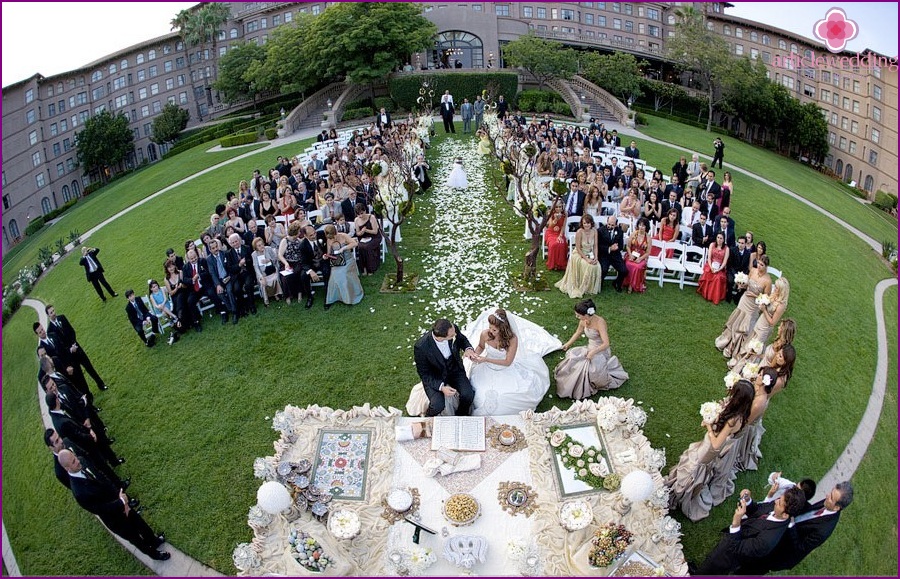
{"type": "Point", "coordinates": [210, 18]}
{"type": "Point", "coordinates": [186, 23]}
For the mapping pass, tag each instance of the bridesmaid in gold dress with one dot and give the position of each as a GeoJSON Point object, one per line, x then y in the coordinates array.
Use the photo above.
{"type": "Point", "coordinates": [583, 270]}
{"type": "Point", "coordinates": [587, 370]}
{"type": "Point", "coordinates": [743, 318]}
{"type": "Point", "coordinates": [704, 469]}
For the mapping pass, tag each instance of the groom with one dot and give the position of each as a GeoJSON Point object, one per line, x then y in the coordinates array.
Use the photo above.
{"type": "Point", "coordinates": [439, 364]}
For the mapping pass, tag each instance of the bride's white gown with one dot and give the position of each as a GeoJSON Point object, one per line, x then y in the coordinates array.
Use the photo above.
{"type": "Point", "coordinates": [501, 390]}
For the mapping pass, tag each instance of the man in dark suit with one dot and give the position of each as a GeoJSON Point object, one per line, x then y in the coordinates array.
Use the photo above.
{"type": "Point", "coordinates": [223, 272]}
{"type": "Point", "coordinates": [719, 152]}
{"type": "Point", "coordinates": [447, 111]}
{"type": "Point", "coordinates": [312, 267]}
{"type": "Point", "coordinates": [710, 186]}
{"type": "Point", "coordinates": [60, 329]}
{"type": "Point", "coordinates": [245, 278]}
{"type": "Point", "coordinates": [368, 190]}
{"type": "Point", "coordinates": [83, 436]}
{"type": "Point", "coordinates": [438, 356]}
{"type": "Point", "coordinates": [738, 261]}
{"type": "Point", "coordinates": [98, 495]}
{"type": "Point", "coordinates": [675, 186]}
{"type": "Point", "coordinates": [383, 120]}
{"type": "Point", "coordinates": [196, 279]}
{"type": "Point", "coordinates": [57, 443]}
{"type": "Point", "coordinates": [702, 232]}
{"type": "Point", "coordinates": [348, 205]}
{"type": "Point", "coordinates": [723, 227]}
{"type": "Point", "coordinates": [93, 270]}
{"type": "Point", "coordinates": [632, 151]}
{"type": "Point", "coordinates": [708, 206]}
{"type": "Point", "coordinates": [322, 137]}
{"type": "Point", "coordinates": [502, 107]}
{"type": "Point", "coordinates": [137, 315]}
{"type": "Point", "coordinates": [574, 201]}
{"type": "Point", "coordinates": [752, 539]}
{"type": "Point", "coordinates": [611, 242]}
{"type": "Point", "coordinates": [671, 202]}
{"type": "Point", "coordinates": [62, 357]}
{"type": "Point", "coordinates": [77, 406]}
{"type": "Point", "coordinates": [616, 141]}
{"type": "Point", "coordinates": [810, 530]}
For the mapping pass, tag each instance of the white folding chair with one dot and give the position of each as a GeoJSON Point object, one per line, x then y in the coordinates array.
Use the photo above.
{"type": "Point", "coordinates": [648, 171]}
{"type": "Point", "coordinates": [694, 260]}
{"type": "Point", "coordinates": [774, 271]}
{"type": "Point", "coordinates": [655, 265]}
{"type": "Point", "coordinates": [674, 269]}
{"type": "Point", "coordinates": [609, 208]}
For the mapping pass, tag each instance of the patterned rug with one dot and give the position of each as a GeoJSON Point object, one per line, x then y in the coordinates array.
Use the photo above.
{"type": "Point", "coordinates": [342, 463]}
{"type": "Point", "coordinates": [458, 482]}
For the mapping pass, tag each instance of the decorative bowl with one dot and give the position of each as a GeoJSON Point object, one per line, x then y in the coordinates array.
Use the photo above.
{"type": "Point", "coordinates": [576, 515]}
{"type": "Point", "coordinates": [400, 500]}
{"type": "Point", "coordinates": [461, 509]}
{"type": "Point", "coordinates": [507, 437]}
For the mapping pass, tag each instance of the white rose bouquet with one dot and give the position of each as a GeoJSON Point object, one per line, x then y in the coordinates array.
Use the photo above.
{"type": "Point", "coordinates": [710, 411]}
{"type": "Point", "coordinates": [763, 300]}
{"type": "Point", "coordinates": [731, 379]}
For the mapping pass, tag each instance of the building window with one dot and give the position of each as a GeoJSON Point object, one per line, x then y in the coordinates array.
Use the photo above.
{"type": "Point", "coordinates": [13, 226]}
{"type": "Point", "coordinates": [502, 9]}
{"type": "Point", "coordinates": [629, 26]}
{"type": "Point", "coordinates": [754, 54]}
{"type": "Point", "coordinates": [628, 8]}
{"type": "Point", "coordinates": [831, 138]}
{"type": "Point", "coordinates": [167, 66]}
{"type": "Point", "coordinates": [152, 71]}
{"type": "Point", "coordinates": [835, 99]}
{"type": "Point", "coordinates": [39, 180]}
{"type": "Point", "coordinates": [145, 111]}
{"type": "Point", "coordinates": [767, 57]}
{"type": "Point", "coordinates": [65, 193]}
{"type": "Point", "coordinates": [809, 73]}
{"type": "Point", "coordinates": [156, 107]}
{"type": "Point", "coordinates": [477, 7]}
{"type": "Point", "coordinates": [847, 103]}
{"type": "Point", "coordinates": [29, 95]}
{"type": "Point", "coordinates": [30, 117]}
{"type": "Point", "coordinates": [739, 49]}
{"type": "Point", "coordinates": [617, 23]}
{"type": "Point", "coordinates": [834, 119]}
{"type": "Point", "coordinates": [873, 157]}
{"type": "Point", "coordinates": [316, 10]}
{"type": "Point", "coordinates": [782, 45]}
{"type": "Point", "coordinates": [233, 33]}
{"type": "Point", "coordinates": [170, 100]}
{"type": "Point", "coordinates": [60, 169]}
{"type": "Point", "coordinates": [842, 144]}
{"type": "Point", "coordinates": [601, 21]}
{"type": "Point", "coordinates": [845, 123]}
{"type": "Point", "coordinates": [738, 32]}
{"type": "Point", "coordinates": [98, 93]}
{"type": "Point", "coordinates": [809, 91]}
{"type": "Point", "coordinates": [45, 206]}
{"type": "Point", "coordinates": [57, 150]}
{"type": "Point", "coordinates": [567, 14]}
{"type": "Point", "coordinates": [63, 126]}
{"type": "Point", "coordinates": [726, 30]}
{"type": "Point", "coordinates": [794, 49]}
{"type": "Point", "coordinates": [148, 128]}
{"type": "Point", "coordinates": [51, 110]}
{"type": "Point", "coordinates": [142, 93]}
{"type": "Point", "coordinates": [616, 7]}
{"type": "Point", "coordinates": [652, 14]}
{"type": "Point", "coordinates": [876, 134]}
{"type": "Point", "coordinates": [754, 37]}
{"type": "Point", "coordinates": [61, 105]}
{"type": "Point", "coordinates": [876, 92]}
{"type": "Point", "coordinates": [96, 76]}
{"type": "Point", "coordinates": [151, 55]}
{"type": "Point", "coordinates": [6, 202]}
{"type": "Point", "coordinates": [836, 80]}
{"type": "Point", "coordinates": [182, 97]}
{"type": "Point", "coordinates": [856, 107]}
{"type": "Point", "coordinates": [824, 95]}
{"type": "Point", "coordinates": [36, 158]}
{"type": "Point", "coordinates": [141, 75]}
{"type": "Point", "coordinates": [288, 17]}
{"type": "Point", "coordinates": [180, 80]}
{"type": "Point", "coordinates": [788, 82]}
{"type": "Point", "coordinates": [54, 129]}
{"type": "Point", "coordinates": [121, 101]}
{"type": "Point", "coordinates": [589, 19]}
{"type": "Point", "coordinates": [32, 138]}
{"type": "Point", "coordinates": [154, 88]}
{"type": "Point", "coordinates": [852, 147]}
{"type": "Point", "coordinates": [876, 114]}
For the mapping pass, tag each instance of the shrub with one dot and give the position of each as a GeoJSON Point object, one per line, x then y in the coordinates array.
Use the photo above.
{"type": "Point", "coordinates": [235, 140]}
{"type": "Point", "coordinates": [34, 226]}
{"type": "Point", "coordinates": [386, 102]}
{"type": "Point", "coordinates": [365, 103]}
{"type": "Point", "coordinates": [11, 304]}
{"type": "Point", "coordinates": [271, 134]}
{"type": "Point", "coordinates": [353, 114]}
{"type": "Point", "coordinates": [641, 119]}
{"type": "Point", "coordinates": [540, 101]}
{"type": "Point", "coordinates": [59, 210]}
{"type": "Point", "coordinates": [92, 187]}
{"type": "Point", "coordinates": [404, 90]}
{"type": "Point", "coordinates": [561, 109]}
{"type": "Point", "coordinates": [883, 201]}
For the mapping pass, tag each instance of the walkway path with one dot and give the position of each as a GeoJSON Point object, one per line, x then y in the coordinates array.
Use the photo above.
{"type": "Point", "coordinates": [843, 469]}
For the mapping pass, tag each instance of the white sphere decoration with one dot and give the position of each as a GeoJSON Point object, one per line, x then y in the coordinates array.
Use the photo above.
{"type": "Point", "coordinates": [637, 486]}
{"type": "Point", "coordinates": [273, 498]}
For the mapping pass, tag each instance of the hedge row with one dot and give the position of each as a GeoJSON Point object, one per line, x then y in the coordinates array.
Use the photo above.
{"type": "Point", "coordinates": [684, 120]}
{"type": "Point", "coordinates": [221, 130]}
{"type": "Point", "coordinates": [39, 222]}
{"type": "Point", "coordinates": [242, 139]}
{"type": "Point", "coordinates": [356, 113]}
{"type": "Point", "coordinates": [885, 201]}
{"type": "Point", "coordinates": [404, 90]}
{"type": "Point", "coordinates": [543, 101]}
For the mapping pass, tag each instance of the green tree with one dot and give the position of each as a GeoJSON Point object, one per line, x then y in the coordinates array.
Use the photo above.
{"type": "Point", "coordinates": [365, 41]}
{"type": "Point", "coordinates": [697, 49]}
{"type": "Point", "coordinates": [169, 123]}
{"type": "Point", "coordinates": [663, 93]}
{"type": "Point", "coordinates": [284, 67]}
{"type": "Point", "coordinates": [104, 143]}
{"type": "Point", "coordinates": [210, 17]}
{"type": "Point", "coordinates": [747, 94]}
{"type": "Point", "coordinates": [619, 73]}
{"type": "Point", "coordinates": [236, 78]}
{"type": "Point", "coordinates": [808, 131]}
{"type": "Point", "coordinates": [544, 59]}
{"type": "Point", "coordinates": [185, 22]}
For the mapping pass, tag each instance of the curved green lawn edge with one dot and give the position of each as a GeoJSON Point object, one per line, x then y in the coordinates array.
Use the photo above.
{"type": "Point", "coordinates": [212, 535]}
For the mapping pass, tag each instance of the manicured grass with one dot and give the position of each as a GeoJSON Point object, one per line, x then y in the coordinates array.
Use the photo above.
{"type": "Point", "coordinates": [91, 210]}
{"type": "Point", "coordinates": [192, 417]}
{"type": "Point", "coordinates": [801, 179]}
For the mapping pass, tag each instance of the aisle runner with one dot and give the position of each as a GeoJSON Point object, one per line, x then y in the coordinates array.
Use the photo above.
{"type": "Point", "coordinates": [465, 270]}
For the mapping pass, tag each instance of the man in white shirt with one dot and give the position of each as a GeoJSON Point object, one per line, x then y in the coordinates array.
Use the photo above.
{"type": "Point", "coordinates": [438, 356]}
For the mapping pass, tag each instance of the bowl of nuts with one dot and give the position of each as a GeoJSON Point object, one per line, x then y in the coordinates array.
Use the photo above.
{"type": "Point", "coordinates": [461, 509]}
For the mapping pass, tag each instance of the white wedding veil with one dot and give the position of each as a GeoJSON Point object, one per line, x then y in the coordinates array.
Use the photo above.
{"type": "Point", "coordinates": [532, 337]}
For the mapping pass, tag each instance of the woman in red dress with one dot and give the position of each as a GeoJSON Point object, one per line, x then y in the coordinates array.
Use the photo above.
{"type": "Point", "coordinates": [555, 240]}
{"type": "Point", "coordinates": [636, 258]}
{"type": "Point", "coordinates": [668, 231]}
{"type": "Point", "coordinates": [714, 281]}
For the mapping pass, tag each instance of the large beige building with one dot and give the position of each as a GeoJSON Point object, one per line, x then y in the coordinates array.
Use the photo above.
{"type": "Point", "coordinates": [41, 115]}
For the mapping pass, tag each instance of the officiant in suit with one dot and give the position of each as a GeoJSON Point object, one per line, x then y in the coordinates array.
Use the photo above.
{"type": "Point", "coordinates": [438, 356]}
{"type": "Point", "coordinates": [447, 112]}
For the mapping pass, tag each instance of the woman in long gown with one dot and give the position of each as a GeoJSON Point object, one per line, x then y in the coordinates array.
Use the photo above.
{"type": "Point", "coordinates": [555, 240]}
{"type": "Point", "coordinates": [705, 467]}
{"type": "Point", "coordinates": [742, 319]}
{"type": "Point", "coordinates": [343, 284]}
{"type": "Point", "coordinates": [746, 453]}
{"type": "Point", "coordinates": [587, 370]}
{"type": "Point", "coordinates": [713, 283]}
{"type": "Point", "coordinates": [369, 235]}
{"type": "Point", "coordinates": [290, 256]}
{"type": "Point", "coordinates": [507, 376]}
{"type": "Point", "coordinates": [457, 178]}
{"type": "Point", "coordinates": [636, 259]}
{"type": "Point", "coordinates": [669, 228]}
{"type": "Point", "coordinates": [769, 316]}
{"type": "Point", "coordinates": [582, 272]}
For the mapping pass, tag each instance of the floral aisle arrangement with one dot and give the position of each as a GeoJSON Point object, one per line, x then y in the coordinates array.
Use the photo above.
{"type": "Point", "coordinates": [411, 560]}
{"type": "Point", "coordinates": [608, 544]}
{"type": "Point", "coordinates": [307, 551]}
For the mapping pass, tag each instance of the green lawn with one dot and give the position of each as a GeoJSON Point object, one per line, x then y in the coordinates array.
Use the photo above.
{"type": "Point", "coordinates": [192, 417]}
{"type": "Point", "coordinates": [93, 209]}
{"type": "Point", "coordinates": [801, 179]}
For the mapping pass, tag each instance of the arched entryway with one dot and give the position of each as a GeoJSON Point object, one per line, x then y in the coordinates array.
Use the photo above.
{"type": "Point", "coordinates": [848, 173]}
{"type": "Point", "coordinates": [839, 168]}
{"type": "Point", "coordinates": [457, 49]}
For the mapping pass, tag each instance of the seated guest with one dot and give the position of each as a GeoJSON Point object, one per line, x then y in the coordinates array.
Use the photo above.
{"type": "Point", "coordinates": [636, 255]}
{"type": "Point", "coordinates": [267, 206]}
{"type": "Point", "coordinates": [582, 271]}
{"type": "Point", "coordinates": [669, 229]}
{"type": "Point", "coordinates": [290, 256]}
{"type": "Point", "coordinates": [242, 255]}
{"type": "Point", "coordinates": [708, 206]}
{"type": "Point", "coordinates": [617, 191]}
{"type": "Point", "coordinates": [675, 186]}
{"type": "Point", "coordinates": [555, 240]}
{"type": "Point", "coordinates": [611, 243]}
{"type": "Point", "coordinates": [756, 529]}
{"type": "Point", "coordinates": [197, 283]}
{"type": "Point", "coordinates": [287, 204]}
{"type": "Point", "coordinates": [223, 274]}
{"type": "Point", "coordinates": [234, 220]}
{"type": "Point", "coordinates": [630, 207]}
{"type": "Point", "coordinates": [671, 202]}
{"type": "Point", "coordinates": [343, 283]}
{"type": "Point", "coordinates": [178, 295]}
{"type": "Point", "coordinates": [265, 265]}
{"type": "Point", "coordinates": [171, 256]}
{"type": "Point", "coordinates": [348, 205]}
{"type": "Point", "coordinates": [301, 217]}
{"type": "Point", "coordinates": [341, 224]}
{"type": "Point", "coordinates": [161, 303]}
{"type": "Point", "coordinates": [690, 215]}
{"type": "Point", "coordinates": [652, 209]}
{"type": "Point", "coordinates": [138, 315]}
{"type": "Point", "coordinates": [702, 232]}
{"type": "Point", "coordinates": [330, 209]}
{"type": "Point", "coordinates": [368, 232]}
{"type": "Point", "coordinates": [275, 232]}
{"type": "Point", "coordinates": [725, 229]}
{"type": "Point", "coordinates": [632, 151]}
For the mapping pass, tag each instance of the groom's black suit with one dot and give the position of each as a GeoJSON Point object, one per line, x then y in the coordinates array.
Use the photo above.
{"type": "Point", "coordinates": [435, 370]}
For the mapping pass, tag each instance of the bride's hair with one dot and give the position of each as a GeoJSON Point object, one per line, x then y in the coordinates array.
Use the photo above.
{"type": "Point", "coordinates": [738, 406]}
{"type": "Point", "coordinates": [500, 319]}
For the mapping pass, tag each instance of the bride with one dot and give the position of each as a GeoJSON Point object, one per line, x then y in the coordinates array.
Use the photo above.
{"type": "Point", "coordinates": [509, 375]}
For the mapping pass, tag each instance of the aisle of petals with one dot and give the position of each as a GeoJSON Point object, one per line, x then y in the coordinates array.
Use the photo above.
{"type": "Point", "coordinates": [465, 269]}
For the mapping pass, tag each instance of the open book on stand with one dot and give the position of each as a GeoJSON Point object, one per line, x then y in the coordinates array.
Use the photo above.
{"type": "Point", "coordinates": [458, 433]}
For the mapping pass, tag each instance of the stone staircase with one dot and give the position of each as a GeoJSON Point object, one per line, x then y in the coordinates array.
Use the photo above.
{"type": "Point", "coordinates": [598, 111]}
{"type": "Point", "coordinates": [314, 119]}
